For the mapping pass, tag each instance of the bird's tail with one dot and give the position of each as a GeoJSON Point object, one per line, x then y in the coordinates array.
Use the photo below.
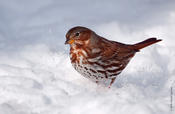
{"type": "Point", "coordinates": [146, 43]}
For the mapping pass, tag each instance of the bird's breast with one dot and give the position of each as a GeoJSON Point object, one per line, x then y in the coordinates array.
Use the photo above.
{"type": "Point", "coordinates": [78, 55]}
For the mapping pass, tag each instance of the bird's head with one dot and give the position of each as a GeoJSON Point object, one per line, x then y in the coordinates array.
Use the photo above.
{"type": "Point", "coordinates": [78, 36]}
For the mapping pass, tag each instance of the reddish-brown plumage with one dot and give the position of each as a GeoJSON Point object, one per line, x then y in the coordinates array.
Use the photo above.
{"type": "Point", "coordinates": [97, 58]}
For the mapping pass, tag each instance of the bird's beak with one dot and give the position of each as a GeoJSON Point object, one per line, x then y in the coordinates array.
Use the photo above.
{"type": "Point", "coordinates": [69, 41]}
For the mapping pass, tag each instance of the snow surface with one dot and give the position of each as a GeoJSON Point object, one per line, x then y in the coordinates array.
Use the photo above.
{"type": "Point", "coordinates": [36, 76]}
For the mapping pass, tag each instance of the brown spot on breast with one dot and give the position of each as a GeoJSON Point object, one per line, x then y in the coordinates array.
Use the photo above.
{"type": "Point", "coordinates": [73, 58]}
{"type": "Point", "coordinates": [93, 70]}
{"type": "Point", "coordinates": [85, 68]}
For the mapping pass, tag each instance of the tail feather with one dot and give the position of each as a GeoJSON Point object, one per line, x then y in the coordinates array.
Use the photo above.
{"type": "Point", "coordinates": [146, 43]}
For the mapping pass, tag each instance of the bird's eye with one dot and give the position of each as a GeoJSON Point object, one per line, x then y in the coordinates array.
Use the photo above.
{"type": "Point", "coordinates": [77, 34]}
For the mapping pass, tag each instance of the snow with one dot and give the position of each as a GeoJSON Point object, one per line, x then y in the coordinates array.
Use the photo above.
{"type": "Point", "coordinates": [36, 76]}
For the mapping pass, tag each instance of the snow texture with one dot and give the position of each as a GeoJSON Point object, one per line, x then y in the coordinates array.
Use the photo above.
{"type": "Point", "coordinates": [36, 76]}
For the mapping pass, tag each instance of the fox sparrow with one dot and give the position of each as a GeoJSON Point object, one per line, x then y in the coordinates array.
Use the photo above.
{"type": "Point", "coordinates": [97, 58]}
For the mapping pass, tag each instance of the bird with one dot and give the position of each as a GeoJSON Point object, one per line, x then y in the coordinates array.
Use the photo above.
{"type": "Point", "coordinates": [99, 59]}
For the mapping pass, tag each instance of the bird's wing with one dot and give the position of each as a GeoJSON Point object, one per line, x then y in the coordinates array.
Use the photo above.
{"type": "Point", "coordinates": [115, 56]}
{"type": "Point", "coordinates": [115, 50]}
